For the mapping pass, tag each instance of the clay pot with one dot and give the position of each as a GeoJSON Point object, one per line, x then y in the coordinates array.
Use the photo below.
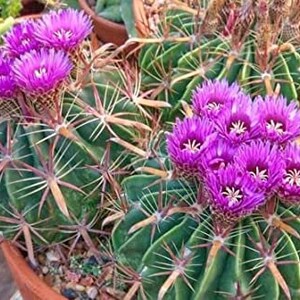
{"type": "Point", "coordinates": [110, 32]}
{"type": "Point", "coordinates": [29, 284]}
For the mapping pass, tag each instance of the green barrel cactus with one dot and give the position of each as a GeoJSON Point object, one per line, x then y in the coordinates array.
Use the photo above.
{"type": "Point", "coordinates": [62, 113]}
{"type": "Point", "coordinates": [173, 239]}
{"type": "Point", "coordinates": [176, 250]}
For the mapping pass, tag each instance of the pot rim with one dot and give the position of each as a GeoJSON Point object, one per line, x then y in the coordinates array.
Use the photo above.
{"type": "Point", "coordinates": [109, 31]}
{"type": "Point", "coordinates": [30, 285]}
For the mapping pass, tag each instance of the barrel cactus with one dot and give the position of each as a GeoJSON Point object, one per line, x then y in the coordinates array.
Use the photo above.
{"type": "Point", "coordinates": [253, 42]}
{"type": "Point", "coordinates": [212, 210]}
{"type": "Point", "coordinates": [61, 105]}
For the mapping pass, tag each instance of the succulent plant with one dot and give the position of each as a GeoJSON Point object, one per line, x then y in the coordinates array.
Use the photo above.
{"type": "Point", "coordinates": [212, 211]}
{"type": "Point", "coordinates": [110, 10]}
{"type": "Point", "coordinates": [60, 109]}
{"type": "Point", "coordinates": [185, 231]}
{"type": "Point", "coordinates": [118, 11]}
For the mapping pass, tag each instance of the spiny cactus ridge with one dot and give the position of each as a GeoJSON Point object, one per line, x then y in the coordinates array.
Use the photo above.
{"type": "Point", "coordinates": [254, 43]}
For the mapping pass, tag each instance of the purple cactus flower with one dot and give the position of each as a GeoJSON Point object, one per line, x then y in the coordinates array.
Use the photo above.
{"type": "Point", "coordinates": [213, 98]}
{"type": "Point", "coordinates": [8, 104]}
{"type": "Point", "coordinates": [7, 87]}
{"type": "Point", "coordinates": [40, 72]}
{"type": "Point", "coordinates": [278, 121]}
{"type": "Point", "coordinates": [7, 83]}
{"type": "Point", "coordinates": [20, 39]}
{"type": "Point", "coordinates": [290, 188]}
{"type": "Point", "coordinates": [263, 164]}
{"type": "Point", "coordinates": [219, 154]}
{"type": "Point", "coordinates": [232, 195]}
{"type": "Point", "coordinates": [187, 142]}
{"type": "Point", "coordinates": [238, 124]}
{"type": "Point", "coordinates": [63, 29]}
{"type": "Point", "coordinates": [5, 63]}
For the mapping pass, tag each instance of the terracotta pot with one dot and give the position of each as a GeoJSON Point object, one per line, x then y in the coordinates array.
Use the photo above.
{"type": "Point", "coordinates": [110, 32]}
{"type": "Point", "coordinates": [29, 284]}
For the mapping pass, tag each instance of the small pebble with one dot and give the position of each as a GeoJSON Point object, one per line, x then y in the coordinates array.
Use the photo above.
{"type": "Point", "coordinates": [57, 279]}
{"type": "Point", "coordinates": [92, 260]}
{"type": "Point", "coordinates": [92, 292]}
{"type": "Point", "coordinates": [60, 270]}
{"type": "Point", "coordinates": [45, 270]}
{"type": "Point", "coordinates": [49, 279]}
{"type": "Point", "coordinates": [41, 259]}
{"type": "Point", "coordinates": [87, 281]}
{"type": "Point", "coordinates": [72, 276]}
{"type": "Point", "coordinates": [70, 285]}
{"type": "Point", "coordinates": [79, 288]}
{"type": "Point", "coordinates": [69, 293]}
{"type": "Point", "coordinates": [52, 256]}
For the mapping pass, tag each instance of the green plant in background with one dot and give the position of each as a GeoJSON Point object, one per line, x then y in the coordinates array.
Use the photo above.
{"type": "Point", "coordinates": [8, 11]}
{"type": "Point", "coordinates": [110, 10]}
{"type": "Point", "coordinates": [6, 25]}
{"type": "Point", "coordinates": [119, 11]}
{"type": "Point", "coordinates": [10, 8]}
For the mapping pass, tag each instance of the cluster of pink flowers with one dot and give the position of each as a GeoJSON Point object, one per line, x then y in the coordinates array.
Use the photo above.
{"type": "Point", "coordinates": [36, 57]}
{"type": "Point", "coordinates": [243, 151]}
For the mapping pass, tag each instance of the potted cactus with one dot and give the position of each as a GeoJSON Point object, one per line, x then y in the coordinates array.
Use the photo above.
{"type": "Point", "coordinates": [191, 153]}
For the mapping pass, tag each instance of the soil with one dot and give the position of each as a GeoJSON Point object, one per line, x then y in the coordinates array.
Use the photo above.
{"type": "Point", "coordinates": [81, 275]}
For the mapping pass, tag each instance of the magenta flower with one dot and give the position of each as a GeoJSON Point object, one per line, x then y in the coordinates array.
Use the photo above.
{"type": "Point", "coordinates": [20, 38]}
{"type": "Point", "coordinates": [213, 98]}
{"type": "Point", "coordinates": [263, 164]}
{"type": "Point", "coordinates": [8, 104]}
{"type": "Point", "coordinates": [7, 83]}
{"type": "Point", "coordinates": [187, 142]}
{"type": "Point", "coordinates": [290, 188]}
{"type": "Point", "coordinates": [232, 195]}
{"type": "Point", "coordinates": [278, 121]}
{"type": "Point", "coordinates": [40, 72]}
{"type": "Point", "coordinates": [5, 63]}
{"type": "Point", "coordinates": [7, 87]}
{"type": "Point", "coordinates": [238, 124]}
{"type": "Point", "coordinates": [63, 29]}
{"type": "Point", "coordinates": [218, 155]}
